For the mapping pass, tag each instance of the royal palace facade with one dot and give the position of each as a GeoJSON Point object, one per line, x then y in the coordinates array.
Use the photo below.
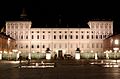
{"type": "Point", "coordinates": [65, 40]}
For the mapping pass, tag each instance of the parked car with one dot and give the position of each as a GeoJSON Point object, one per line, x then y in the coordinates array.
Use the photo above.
{"type": "Point", "coordinates": [68, 56]}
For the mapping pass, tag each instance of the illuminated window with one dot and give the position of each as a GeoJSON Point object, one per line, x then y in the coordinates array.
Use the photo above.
{"type": "Point", "coordinates": [116, 42]}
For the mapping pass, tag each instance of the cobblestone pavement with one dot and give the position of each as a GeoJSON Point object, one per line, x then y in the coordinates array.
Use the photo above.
{"type": "Point", "coordinates": [63, 70]}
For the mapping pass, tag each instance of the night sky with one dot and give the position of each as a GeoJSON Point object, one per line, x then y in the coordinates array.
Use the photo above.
{"type": "Point", "coordinates": [70, 12]}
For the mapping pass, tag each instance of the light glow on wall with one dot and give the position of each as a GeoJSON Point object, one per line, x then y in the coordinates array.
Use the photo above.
{"type": "Point", "coordinates": [116, 42]}
{"type": "Point", "coordinates": [0, 55]}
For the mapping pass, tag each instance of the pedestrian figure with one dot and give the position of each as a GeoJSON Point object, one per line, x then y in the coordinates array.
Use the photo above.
{"type": "Point", "coordinates": [20, 59]}
{"type": "Point", "coordinates": [27, 58]}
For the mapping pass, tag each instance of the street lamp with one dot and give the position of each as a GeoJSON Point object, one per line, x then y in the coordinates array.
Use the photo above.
{"type": "Point", "coordinates": [48, 54]}
{"type": "Point", "coordinates": [77, 54]}
{"type": "Point", "coordinates": [8, 41]}
{"type": "Point", "coordinates": [106, 54]}
{"type": "Point", "coordinates": [116, 48]}
{"type": "Point", "coordinates": [0, 55]}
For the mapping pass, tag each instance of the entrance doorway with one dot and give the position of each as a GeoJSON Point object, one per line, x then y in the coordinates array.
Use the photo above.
{"type": "Point", "coordinates": [60, 54]}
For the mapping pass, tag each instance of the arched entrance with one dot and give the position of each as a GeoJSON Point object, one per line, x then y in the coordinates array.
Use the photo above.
{"type": "Point", "coordinates": [60, 54]}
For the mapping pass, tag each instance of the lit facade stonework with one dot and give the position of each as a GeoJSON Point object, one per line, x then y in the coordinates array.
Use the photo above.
{"type": "Point", "coordinates": [67, 40]}
{"type": "Point", "coordinates": [112, 43]}
{"type": "Point", "coordinates": [7, 45]}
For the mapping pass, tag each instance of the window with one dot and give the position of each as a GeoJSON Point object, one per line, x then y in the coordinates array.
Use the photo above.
{"type": "Point", "coordinates": [65, 45]}
{"type": "Point", "coordinates": [59, 31]}
{"type": "Point", "coordinates": [65, 31]}
{"type": "Point", "coordinates": [54, 45]}
{"type": "Point", "coordinates": [92, 36]}
{"type": "Point", "coordinates": [96, 36]}
{"type": "Point", "coordinates": [32, 46]}
{"type": "Point", "coordinates": [76, 36]}
{"type": "Point", "coordinates": [43, 46]}
{"type": "Point", "coordinates": [76, 31]}
{"type": "Point", "coordinates": [43, 36]}
{"type": "Point", "coordinates": [32, 37]}
{"type": "Point", "coordinates": [32, 32]}
{"type": "Point", "coordinates": [87, 36]}
{"type": "Point", "coordinates": [82, 37]}
{"type": "Point", "coordinates": [100, 36]}
{"type": "Point", "coordinates": [101, 25]}
{"type": "Point", "coordinates": [21, 36]}
{"type": "Point", "coordinates": [37, 46]}
{"type": "Point", "coordinates": [82, 32]}
{"type": "Point", "coordinates": [37, 31]}
{"type": "Point", "coordinates": [97, 45]}
{"type": "Point", "coordinates": [70, 36]}
{"type": "Point", "coordinates": [110, 26]}
{"type": "Point", "coordinates": [54, 36]}
{"type": "Point", "coordinates": [37, 36]}
{"type": "Point", "coordinates": [65, 36]}
{"type": "Point", "coordinates": [26, 46]}
{"type": "Point", "coordinates": [43, 31]}
{"type": "Point", "coordinates": [88, 46]}
{"type": "Point", "coordinates": [60, 46]}
{"type": "Point", "coordinates": [60, 37]}
{"type": "Point", "coordinates": [92, 25]}
{"type": "Point", "coordinates": [92, 45]}
{"type": "Point", "coordinates": [48, 31]}
{"type": "Point", "coordinates": [82, 45]}
{"type": "Point", "coordinates": [26, 36]}
{"type": "Point", "coordinates": [54, 31]}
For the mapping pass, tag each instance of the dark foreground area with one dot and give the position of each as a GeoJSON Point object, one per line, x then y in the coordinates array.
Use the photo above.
{"type": "Point", "coordinates": [61, 71]}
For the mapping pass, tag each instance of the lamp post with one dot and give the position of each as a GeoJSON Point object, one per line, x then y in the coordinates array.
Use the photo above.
{"type": "Point", "coordinates": [8, 42]}
{"type": "Point", "coordinates": [77, 54]}
{"type": "Point", "coordinates": [48, 54]}
{"type": "Point", "coordinates": [96, 57]}
{"type": "Point", "coordinates": [116, 48]}
{"type": "Point", "coordinates": [106, 54]}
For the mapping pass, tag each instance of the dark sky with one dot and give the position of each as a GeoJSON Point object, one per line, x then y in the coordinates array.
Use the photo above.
{"type": "Point", "coordinates": [70, 12]}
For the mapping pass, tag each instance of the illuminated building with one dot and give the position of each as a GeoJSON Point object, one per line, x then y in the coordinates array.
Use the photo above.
{"type": "Point", "coordinates": [59, 40]}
